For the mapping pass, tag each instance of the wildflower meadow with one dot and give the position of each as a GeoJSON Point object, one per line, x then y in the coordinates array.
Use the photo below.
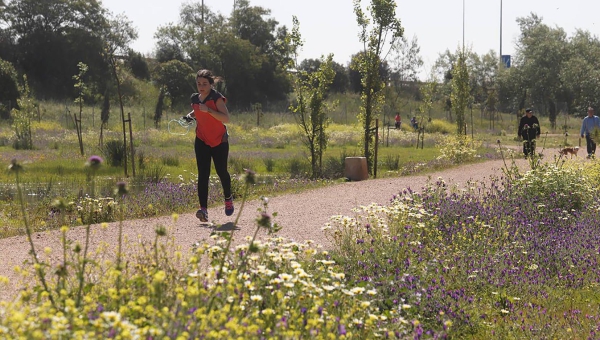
{"type": "Point", "coordinates": [514, 258]}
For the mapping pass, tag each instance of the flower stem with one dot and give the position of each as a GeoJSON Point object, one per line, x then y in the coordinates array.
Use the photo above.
{"type": "Point", "coordinates": [39, 268]}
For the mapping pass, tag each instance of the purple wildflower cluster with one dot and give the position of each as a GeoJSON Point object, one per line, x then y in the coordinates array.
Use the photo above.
{"type": "Point", "coordinates": [487, 256]}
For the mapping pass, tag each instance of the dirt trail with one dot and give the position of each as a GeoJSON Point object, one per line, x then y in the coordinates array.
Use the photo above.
{"type": "Point", "coordinates": [301, 215]}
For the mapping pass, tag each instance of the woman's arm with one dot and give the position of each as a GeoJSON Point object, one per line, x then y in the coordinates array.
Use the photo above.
{"type": "Point", "coordinates": [221, 114]}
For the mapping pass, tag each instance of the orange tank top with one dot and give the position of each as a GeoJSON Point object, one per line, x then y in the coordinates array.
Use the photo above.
{"type": "Point", "coordinates": [209, 129]}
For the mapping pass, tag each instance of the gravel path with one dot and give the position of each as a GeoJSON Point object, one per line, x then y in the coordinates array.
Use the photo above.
{"type": "Point", "coordinates": [301, 216]}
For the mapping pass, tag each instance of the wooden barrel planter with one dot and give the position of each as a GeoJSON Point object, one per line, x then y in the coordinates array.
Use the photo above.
{"type": "Point", "coordinates": [355, 168]}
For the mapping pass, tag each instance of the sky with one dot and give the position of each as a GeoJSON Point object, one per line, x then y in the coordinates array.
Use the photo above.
{"type": "Point", "coordinates": [329, 26]}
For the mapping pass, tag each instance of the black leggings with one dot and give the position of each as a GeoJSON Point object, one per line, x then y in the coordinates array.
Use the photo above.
{"type": "Point", "coordinates": [591, 145]}
{"type": "Point", "coordinates": [529, 147]}
{"type": "Point", "coordinates": [218, 154]}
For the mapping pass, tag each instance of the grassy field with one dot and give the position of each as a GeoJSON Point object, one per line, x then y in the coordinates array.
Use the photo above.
{"type": "Point", "coordinates": [270, 144]}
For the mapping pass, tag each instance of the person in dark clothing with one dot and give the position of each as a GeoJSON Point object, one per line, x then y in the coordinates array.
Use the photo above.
{"type": "Point", "coordinates": [589, 125]}
{"type": "Point", "coordinates": [529, 130]}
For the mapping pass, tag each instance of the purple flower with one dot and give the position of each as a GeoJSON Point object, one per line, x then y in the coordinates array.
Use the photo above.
{"type": "Point", "coordinates": [341, 329]}
{"type": "Point", "coordinates": [94, 162]}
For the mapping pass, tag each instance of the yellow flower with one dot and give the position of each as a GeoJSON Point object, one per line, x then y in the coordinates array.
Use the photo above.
{"type": "Point", "coordinates": [358, 290]}
{"type": "Point", "coordinates": [160, 276]}
{"type": "Point", "coordinates": [268, 311]}
{"type": "Point", "coordinates": [338, 276]}
{"type": "Point", "coordinates": [3, 279]}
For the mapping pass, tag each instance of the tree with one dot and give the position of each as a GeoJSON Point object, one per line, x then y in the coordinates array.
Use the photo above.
{"type": "Point", "coordinates": [118, 34]}
{"type": "Point", "coordinates": [51, 37]}
{"type": "Point", "coordinates": [354, 76]}
{"type": "Point", "coordinates": [340, 82]}
{"type": "Point", "coordinates": [310, 109]}
{"type": "Point", "coordinates": [9, 88]}
{"type": "Point", "coordinates": [580, 73]}
{"type": "Point", "coordinates": [158, 110]}
{"type": "Point", "coordinates": [177, 78]}
{"type": "Point", "coordinates": [483, 70]}
{"type": "Point", "coordinates": [8, 44]}
{"type": "Point", "coordinates": [249, 23]}
{"type": "Point", "coordinates": [406, 61]}
{"type": "Point", "coordinates": [385, 29]}
{"type": "Point", "coordinates": [81, 88]}
{"type": "Point", "coordinates": [405, 65]}
{"type": "Point", "coordinates": [512, 89]}
{"type": "Point", "coordinates": [460, 94]}
{"type": "Point", "coordinates": [167, 52]}
{"type": "Point", "coordinates": [22, 116]}
{"type": "Point", "coordinates": [138, 65]}
{"type": "Point", "coordinates": [541, 54]}
{"type": "Point", "coordinates": [309, 66]}
{"type": "Point", "coordinates": [249, 51]}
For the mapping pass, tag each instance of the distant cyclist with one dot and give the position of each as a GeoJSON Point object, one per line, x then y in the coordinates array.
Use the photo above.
{"type": "Point", "coordinates": [529, 130]}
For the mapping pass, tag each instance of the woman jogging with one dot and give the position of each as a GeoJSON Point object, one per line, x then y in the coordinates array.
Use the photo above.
{"type": "Point", "coordinates": [211, 142]}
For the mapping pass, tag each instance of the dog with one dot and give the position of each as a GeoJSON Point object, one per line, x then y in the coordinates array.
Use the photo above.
{"type": "Point", "coordinates": [570, 150]}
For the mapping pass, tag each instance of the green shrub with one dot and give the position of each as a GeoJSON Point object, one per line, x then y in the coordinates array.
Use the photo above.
{"type": "Point", "coordinates": [154, 174]}
{"type": "Point", "coordinates": [239, 165]}
{"type": "Point", "coordinates": [458, 149]}
{"type": "Point", "coordinates": [114, 152]}
{"type": "Point", "coordinates": [141, 159]}
{"type": "Point", "coordinates": [392, 162]}
{"type": "Point", "coordinates": [298, 168]}
{"type": "Point", "coordinates": [592, 172]}
{"type": "Point", "coordinates": [170, 160]}
{"type": "Point", "coordinates": [269, 164]}
{"type": "Point", "coordinates": [22, 117]}
{"type": "Point", "coordinates": [440, 126]}
{"type": "Point", "coordinates": [566, 185]}
{"type": "Point", "coordinates": [334, 167]}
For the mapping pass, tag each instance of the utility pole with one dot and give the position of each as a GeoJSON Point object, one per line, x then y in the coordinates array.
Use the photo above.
{"type": "Point", "coordinates": [463, 41]}
{"type": "Point", "coordinates": [500, 31]}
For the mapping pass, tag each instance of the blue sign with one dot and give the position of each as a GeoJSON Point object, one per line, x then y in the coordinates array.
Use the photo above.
{"type": "Point", "coordinates": [506, 60]}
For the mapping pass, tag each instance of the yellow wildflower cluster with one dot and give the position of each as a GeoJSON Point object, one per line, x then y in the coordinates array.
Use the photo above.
{"type": "Point", "coordinates": [281, 289]}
